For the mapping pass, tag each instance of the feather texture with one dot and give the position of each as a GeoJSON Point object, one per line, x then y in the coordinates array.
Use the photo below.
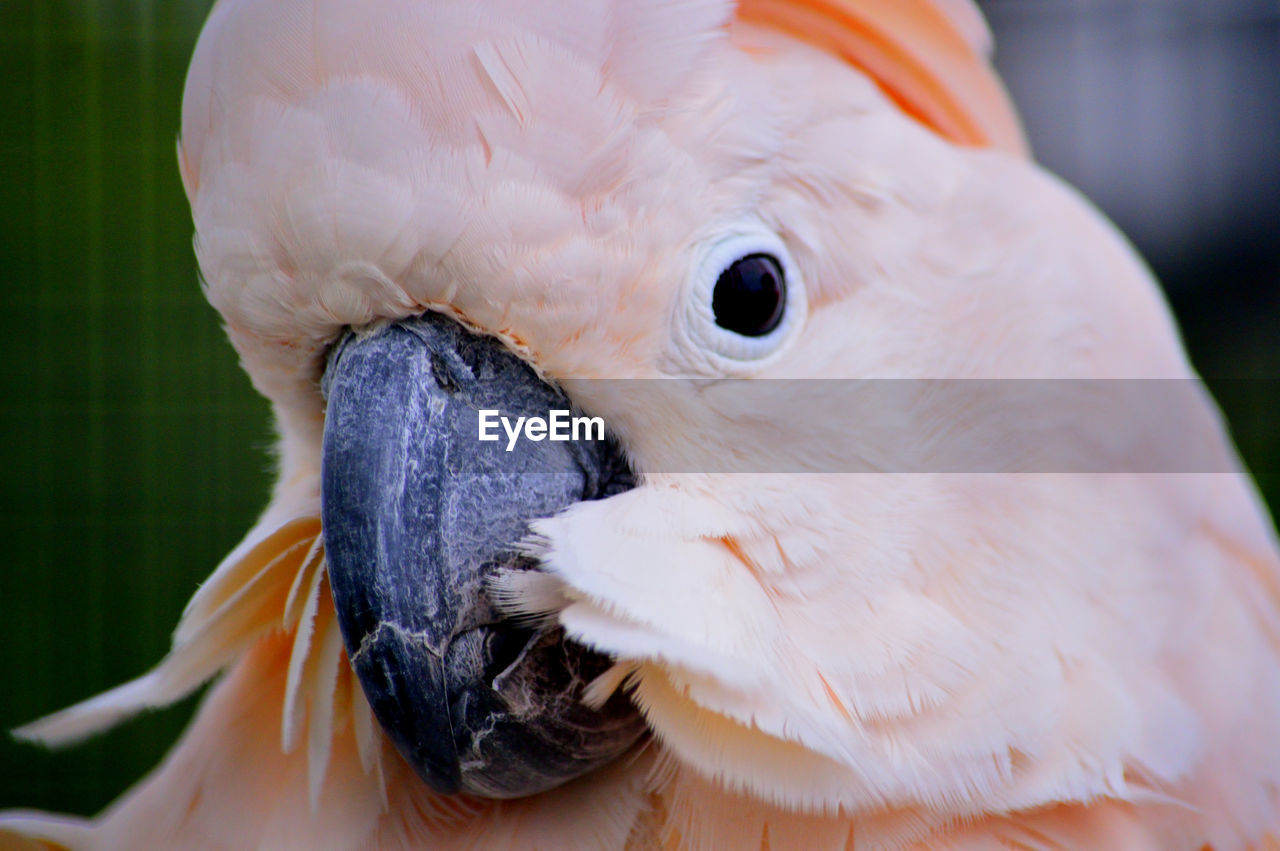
{"type": "Point", "coordinates": [876, 660]}
{"type": "Point", "coordinates": [930, 57]}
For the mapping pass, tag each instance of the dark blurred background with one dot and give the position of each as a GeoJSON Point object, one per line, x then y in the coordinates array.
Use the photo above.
{"type": "Point", "coordinates": [133, 451]}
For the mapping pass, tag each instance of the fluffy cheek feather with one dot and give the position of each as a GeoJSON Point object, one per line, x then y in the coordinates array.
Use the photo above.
{"type": "Point", "coordinates": [228, 784]}
{"type": "Point", "coordinates": [961, 647]}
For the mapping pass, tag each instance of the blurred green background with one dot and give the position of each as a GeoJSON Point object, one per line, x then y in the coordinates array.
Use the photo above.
{"type": "Point", "coordinates": [133, 450]}
{"type": "Point", "coordinates": [131, 444]}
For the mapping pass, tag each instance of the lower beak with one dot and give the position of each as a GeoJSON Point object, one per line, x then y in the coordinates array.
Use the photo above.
{"type": "Point", "coordinates": [418, 512]}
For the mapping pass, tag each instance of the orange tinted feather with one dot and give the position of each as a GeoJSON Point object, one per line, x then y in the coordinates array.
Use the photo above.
{"type": "Point", "coordinates": [916, 53]}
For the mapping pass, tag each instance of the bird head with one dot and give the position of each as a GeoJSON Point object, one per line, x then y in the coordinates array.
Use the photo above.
{"type": "Point", "coordinates": [409, 213]}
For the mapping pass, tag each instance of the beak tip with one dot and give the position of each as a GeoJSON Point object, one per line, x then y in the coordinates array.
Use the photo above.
{"type": "Point", "coordinates": [379, 663]}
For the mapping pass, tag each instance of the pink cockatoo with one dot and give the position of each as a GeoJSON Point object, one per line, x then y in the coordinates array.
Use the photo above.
{"type": "Point", "coordinates": [732, 624]}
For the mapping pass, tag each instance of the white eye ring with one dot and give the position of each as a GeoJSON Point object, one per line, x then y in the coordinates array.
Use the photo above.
{"type": "Point", "coordinates": [707, 347]}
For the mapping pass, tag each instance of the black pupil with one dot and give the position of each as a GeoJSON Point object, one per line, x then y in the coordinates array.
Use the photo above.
{"type": "Point", "coordinates": [750, 296]}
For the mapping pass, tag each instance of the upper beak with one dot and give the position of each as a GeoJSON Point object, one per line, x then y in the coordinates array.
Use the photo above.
{"type": "Point", "coordinates": [417, 513]}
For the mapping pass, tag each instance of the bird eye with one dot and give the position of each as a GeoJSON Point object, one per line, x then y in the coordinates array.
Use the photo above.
{"type": "Point", "coordinates": [750, 296]}
{"type": "Point", "coordinates": [744, 304]}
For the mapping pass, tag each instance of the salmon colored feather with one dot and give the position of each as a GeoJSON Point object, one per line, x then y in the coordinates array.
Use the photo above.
{"type": "Point", "coordinates": [825, 661]}
{"type": "Point", "coordinates": [917, 52]}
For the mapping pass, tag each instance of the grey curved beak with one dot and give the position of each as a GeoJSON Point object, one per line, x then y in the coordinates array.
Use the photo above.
{"type": "Point", "coordinates": [417, 513]}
